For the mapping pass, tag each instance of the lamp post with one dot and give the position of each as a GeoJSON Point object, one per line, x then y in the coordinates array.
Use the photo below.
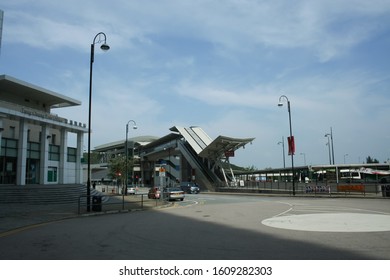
{"type": "Point", "coordinates": [331, 143]}
{"type": "Point", "coordinates": [284, 157]}
{"type": "Point", "coordinates": [127, 150]}
{"type": "Point", "coordinates": [328, 144]}
{"type": "Point", "coordinates": [124, 189]}
{"type": "Point", "coordinates": [104, 47]}
{"type": "Point", "coordinates": [291, 139]}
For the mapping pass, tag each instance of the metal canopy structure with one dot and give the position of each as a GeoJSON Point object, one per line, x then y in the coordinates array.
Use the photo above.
{"type": "Point", "coordinates": [136, 141]}
{"type": "Point", "coordinates": [195, 136]}
{"type": "Point", "coordinates": [222, 146]}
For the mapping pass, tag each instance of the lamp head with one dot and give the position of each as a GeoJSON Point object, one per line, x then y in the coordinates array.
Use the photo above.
{"type": "Point", "coordinates": [105, 47]}
{"type": "Point", "coordinates": [135, 127]}
{"type": "Point", "coordinates": [280, 104]}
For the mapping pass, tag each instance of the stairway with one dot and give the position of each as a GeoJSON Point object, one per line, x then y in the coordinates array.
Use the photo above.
{"type": "Point", "coordinates": [44, 194]}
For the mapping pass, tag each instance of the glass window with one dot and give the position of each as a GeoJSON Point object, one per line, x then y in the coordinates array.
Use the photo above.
{"type": "Point", "coordinates": [33, 150]}
{"type": "Point", "coordinates": [72, 154]}
{"type": "Point", "coordinates": [54, 152]}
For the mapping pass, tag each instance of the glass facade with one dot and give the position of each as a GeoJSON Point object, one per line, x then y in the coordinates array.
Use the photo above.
{"type": "Point", "coordinates": [8, 161]}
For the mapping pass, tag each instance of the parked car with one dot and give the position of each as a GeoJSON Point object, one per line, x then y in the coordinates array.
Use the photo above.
{"type": "Point", "coordinates": [154, 193]}
{"type": "Point", "coordinates": [174, 193]}
{"type": "Point", "coordinates": [189, 187]}
{"type": "Point", "coordinates": [130, 190]}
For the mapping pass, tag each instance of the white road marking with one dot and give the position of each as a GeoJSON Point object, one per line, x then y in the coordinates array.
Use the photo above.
{"type": "Point", "coordinates": [332, 222]}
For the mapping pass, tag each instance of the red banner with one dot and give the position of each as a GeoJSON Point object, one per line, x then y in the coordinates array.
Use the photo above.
{"type": "Point", "coordinates": [291, 145]}
{"type": "Point", "coordinates": [229, 153]}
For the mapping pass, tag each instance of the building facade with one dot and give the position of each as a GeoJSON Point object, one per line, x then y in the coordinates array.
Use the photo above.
{"type": "Point", "coordinates": [34, 141]}
{"type": "Point", "coordinates": [185, 154]}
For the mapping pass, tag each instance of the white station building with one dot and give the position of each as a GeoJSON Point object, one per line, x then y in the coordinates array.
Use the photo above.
{"type": "Point", "coordinates": [34, 141]}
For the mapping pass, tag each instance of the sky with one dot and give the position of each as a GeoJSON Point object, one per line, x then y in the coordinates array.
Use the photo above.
{"type": "Point", "coordinates": [220, 65]}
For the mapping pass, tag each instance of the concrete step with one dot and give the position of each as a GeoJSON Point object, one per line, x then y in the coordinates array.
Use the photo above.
{"type": "Point", "coordinates": [41, 195]}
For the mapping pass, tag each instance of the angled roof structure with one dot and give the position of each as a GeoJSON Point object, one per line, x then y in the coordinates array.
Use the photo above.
{"type": "Point", "coordinates": [205, 147]}
{"type": "Point", "coordinates": [138, 141]}
{"type": "Point", "coordinates": [223, 144]}
{"type": "Point", "coordinates": [195, 136]}
{"type": "Point", "coordinates": [21, 89]}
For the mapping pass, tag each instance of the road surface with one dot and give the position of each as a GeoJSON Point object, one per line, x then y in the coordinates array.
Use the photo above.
{"type": "Point", "coordinates": [205, 226]}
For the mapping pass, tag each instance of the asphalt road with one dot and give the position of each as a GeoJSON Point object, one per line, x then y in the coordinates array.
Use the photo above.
{"type": "Point", "coordinates": [218, 227]}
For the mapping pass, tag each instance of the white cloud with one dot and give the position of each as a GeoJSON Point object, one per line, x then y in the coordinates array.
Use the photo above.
{"type": "Point", "coordinates": [315, 25]}
{"type": "Point", "coordinates": [218, 64]}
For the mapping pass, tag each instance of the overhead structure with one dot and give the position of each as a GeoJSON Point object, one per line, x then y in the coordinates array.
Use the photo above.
{"type": "Point", "coordinates": [224, 146]}
{"type": "Point", "coordinates": [185, 154]}
{"type": "Point", "coordinates": [211, 157]}
{"type": "Point", "coordinates": [24, 90]}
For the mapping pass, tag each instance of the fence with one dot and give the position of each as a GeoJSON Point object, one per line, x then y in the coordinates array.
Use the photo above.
{"type": "Point", "coordinates": [309, 188]}
{"type": "Point", "coordinates": [113, 202]}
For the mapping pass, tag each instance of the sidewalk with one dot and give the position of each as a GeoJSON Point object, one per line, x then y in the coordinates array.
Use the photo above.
{"type": "Point", "coordinates": [15, 216]}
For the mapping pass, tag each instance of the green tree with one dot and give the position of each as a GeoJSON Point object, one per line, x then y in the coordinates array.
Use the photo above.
{"type": "Point", "coordinates": [371, 160]}
{"type": "Point", "coordinates": [117, 168]}
{"type": "Point", "coordinates": [250, 168]}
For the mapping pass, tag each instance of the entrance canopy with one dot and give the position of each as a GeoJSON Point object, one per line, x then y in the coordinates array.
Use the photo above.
{"type": "Point", "coordinates": [14, 90]}
{"type": "Point", "coordinates": [224, 146]}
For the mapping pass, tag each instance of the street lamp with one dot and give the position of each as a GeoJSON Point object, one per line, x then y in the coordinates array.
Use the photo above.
{"type": "Point", "coordinates": [101, 38]}
{"type": "Point", "coordinates": [284, 157]}
{"type": "Point", "coordinates": [124, 188]}
{"type": "Point", "coordinates": [291, 143]}
{"type": "Point", "coordinates": [127, 150]}
{"type": "Point", "coordinates": [328, 144]}
{"type": "Point", "coordinates": [331, 140]}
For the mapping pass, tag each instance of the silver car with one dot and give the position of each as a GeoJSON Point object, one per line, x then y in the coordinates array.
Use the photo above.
{"type": "Point", "coordinates": [174, 194]}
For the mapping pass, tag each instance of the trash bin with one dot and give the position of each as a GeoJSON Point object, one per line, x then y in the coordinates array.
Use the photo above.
{"type": "Point", "coordinates": [96, 203]}
{"type": "Point", "coordinates": [385, 190]}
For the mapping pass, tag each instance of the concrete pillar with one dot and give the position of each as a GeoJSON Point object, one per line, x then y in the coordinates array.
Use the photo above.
{"type": "Point", "coordinates": [79, 167]}
{"type": "Point", "coordinates": [22, 153]}
{"type": "Point", "coordinates": [44, 158]}
{"type": "Point", "coordinates": [63, 168]}
{"type": "Point", "coordinates": [1, 131]}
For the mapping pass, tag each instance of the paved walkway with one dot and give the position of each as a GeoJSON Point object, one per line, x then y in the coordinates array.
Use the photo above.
{"type": "Point", "coordinates": [14, 216]}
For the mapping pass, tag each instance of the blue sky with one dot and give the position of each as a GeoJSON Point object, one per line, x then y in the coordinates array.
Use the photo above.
{"type": "Point", "coordinates": [220, 65]}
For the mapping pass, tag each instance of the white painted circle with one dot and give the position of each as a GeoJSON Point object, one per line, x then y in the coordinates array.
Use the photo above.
{"type": "Point", "coordinates": [332, 222]}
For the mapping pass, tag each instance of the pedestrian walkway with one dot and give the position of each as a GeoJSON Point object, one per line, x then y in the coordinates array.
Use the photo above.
{"type": "Point", "coordinates": [16, 214]}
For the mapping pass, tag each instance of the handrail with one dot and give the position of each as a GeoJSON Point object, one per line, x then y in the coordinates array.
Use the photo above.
{"type": "Point", "coordinates": [119, 201]}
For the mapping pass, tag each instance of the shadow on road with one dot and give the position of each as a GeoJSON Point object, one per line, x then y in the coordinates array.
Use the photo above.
{"type": "Point", "coordinates": [153, 235]}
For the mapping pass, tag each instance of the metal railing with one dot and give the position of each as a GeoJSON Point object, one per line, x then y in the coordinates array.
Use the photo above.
{"type": "Point", "coordinates": [310, 188]}
{"type": "Point", "coordinates": [117, 202]}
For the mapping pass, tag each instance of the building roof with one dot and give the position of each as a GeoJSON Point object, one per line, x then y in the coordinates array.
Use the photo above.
{"type": "Point", "coordinates": [138, 140]}
{"type": "Point", "coordinates": [223, 144]}
{"type": "Point", "coordinates": [195, 136]}
{"type": "Point", "coordinates": [205, 147]}
{"type": "Point", "coordinates": [23, 89]}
